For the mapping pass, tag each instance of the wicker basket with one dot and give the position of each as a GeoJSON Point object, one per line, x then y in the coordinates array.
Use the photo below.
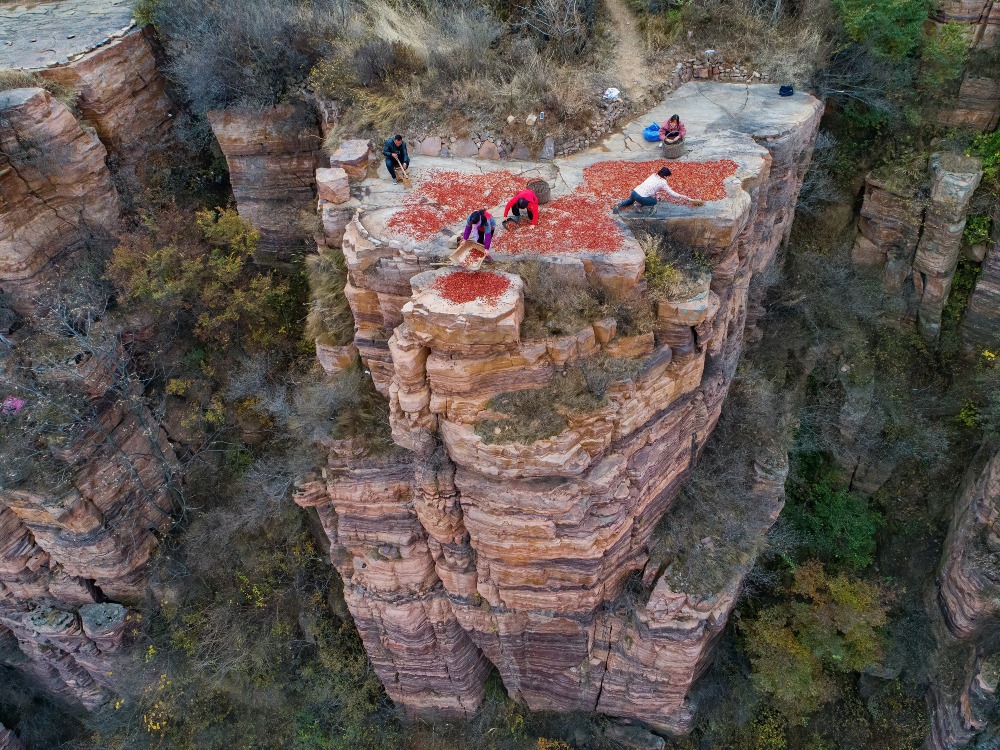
{"type": "Point", "coordinates": [542, 189]}
{"type": "Point", "coordinates": [673, 150]}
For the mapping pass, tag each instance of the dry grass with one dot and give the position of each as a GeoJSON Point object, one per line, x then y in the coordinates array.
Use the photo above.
{"type": "Point", "coordinates": [789, 48]}
{"type": "Point", "coordinates": [330, 320]}
{"type": "Point", "coordinates": [20, 79]}
{"type": "Point", "coordinates": [531, 415]}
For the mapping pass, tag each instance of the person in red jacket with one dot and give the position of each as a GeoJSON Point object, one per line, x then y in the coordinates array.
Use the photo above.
{"type": "Point", "coordinates": [525, 200]}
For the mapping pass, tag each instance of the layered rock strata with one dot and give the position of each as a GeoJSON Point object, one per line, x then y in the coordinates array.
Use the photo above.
{"type": "Point", "coordinates": [966, 669]}
{"type": "Point", "coordinates": [461, 552]}
{"type": "Point", "coordinates": [978, 102]}
{"type": "Point", "coordinates": [81, 533]}
{"type": "Point", "coordinates": [56, 187]}
{"type": "Point", "coordinates": [272, 158]}
{"type": "Point", "coordinates": [981, 322]}
{"type": "Point", "coordinates": [122, 93]}
{"type": "Point", "coordinates": [913, 234]}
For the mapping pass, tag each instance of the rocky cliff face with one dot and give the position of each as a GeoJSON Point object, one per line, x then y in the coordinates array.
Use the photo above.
{"type": "Point", "coordinates": [80, 516]}
{"type": "Point", "coordinates": [272, 159]}
{"type": "Point", "coordinates": [980, 323]}
{"type": "Point", "coordinates": [912, 234]}
{"type": "Point", "coordinates": [966, 668]}
{"type": "Point", "coordinates": [463, 550]}
{"type": "Point", "coordinates": [56, 187]}
{"type": "Point", "coordinates": [978, 104]}
{"type": "Point", "coordinates": [121, 94]}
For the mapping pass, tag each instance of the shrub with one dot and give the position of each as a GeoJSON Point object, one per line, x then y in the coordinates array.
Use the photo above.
{"type": "Point", "coordinates": [330, 320]}
{"type": "Point", "coordinates": [977, 230]}
{"type": "Point", "coordinates": [345, 406]}
{"type": "Point", "coordinates": [837, 526]}
{"type": "Point", "coordinates": [554, 305]}
{"type": "Point", "coordinates": [535, 414]}
{"type": "Point", "coordinates": [828, 625]}
{"type": "Point", "coordinates": [892, 28]}
{"type": "Point", "coordinates": [942, 57]}
{"type": "Point", "coordinates": [200, 272]}
{"type": "Point", "coordinates": [249, 54]}
{"type": "Point", "coordinates": [987, 147]}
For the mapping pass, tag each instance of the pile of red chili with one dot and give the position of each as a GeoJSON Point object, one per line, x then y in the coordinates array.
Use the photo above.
{"type": "Point", "coordinates": [575, 223]}
{"type": "Point", "coordinates": [702, 180]}
{"type": "Point", "coordinates": [468, 286]}
{"type": "Point", "coordinates": [474, 256]}
{"type": "Point", "coordinates": [443, 198]}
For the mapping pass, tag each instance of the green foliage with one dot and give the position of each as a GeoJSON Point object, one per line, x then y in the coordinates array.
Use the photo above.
{"type": "Point", "coordinates": [987, 147]}
{"type": "Point", "coordinates": [891, 28]}
{"type": "Point", "coordinates": [977, 230]}
{"type": "Point", "coordinates": [838, 526]}
{"type": "Point", "coordinates": [943, 55]}
{"type": "Point", "coordinates": [828, 625]}
{"type": "Point", "coordinates": [144, 11]}
{"type": "Point", "coordinates": [201, 272]}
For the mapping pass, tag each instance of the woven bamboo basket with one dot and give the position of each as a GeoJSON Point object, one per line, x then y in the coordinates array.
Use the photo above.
{"type": "Point", "coordinates": [542, 189]}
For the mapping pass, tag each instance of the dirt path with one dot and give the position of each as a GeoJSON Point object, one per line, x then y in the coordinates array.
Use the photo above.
{"type": "Point", "coordinates": [629, 64]}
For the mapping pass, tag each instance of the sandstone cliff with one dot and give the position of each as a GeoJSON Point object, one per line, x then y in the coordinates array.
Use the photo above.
{"type": "Point", "coordinates": [272, 159]}
{"type": "Point", "coordinates": [981, 322]}
{"type": "Point", "coordinates": [911, 232]}
{"type": "Point", "coordinates": [967, 666]}
{"type": "Point", "coordinates": [121, 94]}
{"type": "Point", "coordinates": [83, 502]}
{"type": "Point", "coordinates": [978, 104]}
{"type": "Point", "coordinates": [465, 550]}
{"type": "Point", "coordinates": [57, 191]}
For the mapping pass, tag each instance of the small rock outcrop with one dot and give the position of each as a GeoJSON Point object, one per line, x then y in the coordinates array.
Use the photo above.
{"type": "Point", "coordinates": [272, 157]}
{"type": "Point", "coordinates": [463, 550]}
{"type": "Point", "coordinates": [912, 234]}
{"type": "Point", "coordinates": [56, 187]}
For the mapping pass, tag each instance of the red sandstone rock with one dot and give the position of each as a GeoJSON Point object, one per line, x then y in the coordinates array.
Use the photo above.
{"type": "Point", "coordinates": [352, 156]}
{"type": "Point", "coordinates": [464, 552]}
{"type": "Point", "coordinates": [121, 93]}
{"type": "Point", "coordinates": [272, 159]}
{"type": "Point", "coordinates": [332, 185]}
{"type": "Point", "coordinates": [56, 189]}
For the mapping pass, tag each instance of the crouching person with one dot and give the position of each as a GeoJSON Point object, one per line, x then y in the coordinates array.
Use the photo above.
{"type": "Point", "coordinates": [645, 194]}
{"type": "Point", "coordinates": [396, 156]}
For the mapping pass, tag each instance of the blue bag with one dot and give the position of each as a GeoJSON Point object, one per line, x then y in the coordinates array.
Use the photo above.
{"type": "Point", "coordinates": [652, 133]}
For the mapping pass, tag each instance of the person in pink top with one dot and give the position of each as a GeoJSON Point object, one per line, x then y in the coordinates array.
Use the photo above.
{"type": "Point", "coordinates": [672, 131]}
{"type": "Point", "coordinates": [524, 200]}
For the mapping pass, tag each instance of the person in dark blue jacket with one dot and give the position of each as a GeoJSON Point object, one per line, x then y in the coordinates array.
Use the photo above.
{"type": "Point", "coordinates": [395, 154]}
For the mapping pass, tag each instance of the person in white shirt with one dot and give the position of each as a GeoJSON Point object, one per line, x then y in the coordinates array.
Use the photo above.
{"type": "Point", "coordinates": [645, 194]}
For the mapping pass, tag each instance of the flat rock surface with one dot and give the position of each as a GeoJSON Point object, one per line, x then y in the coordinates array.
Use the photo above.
{"type": "Point", "coordinates": [719, 118]}
{"type": "Point", "coordinates": [37, 34]}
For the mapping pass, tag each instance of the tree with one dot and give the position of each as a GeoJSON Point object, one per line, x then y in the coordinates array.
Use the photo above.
{"type": "Point", "coordinates": [891, 28]}
{"type": "Point", "coordinates": [828, 625]}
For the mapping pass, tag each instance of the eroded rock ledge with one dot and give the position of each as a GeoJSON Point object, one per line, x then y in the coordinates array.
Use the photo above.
{"type": "Point", "coordinates": [461, 552]}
